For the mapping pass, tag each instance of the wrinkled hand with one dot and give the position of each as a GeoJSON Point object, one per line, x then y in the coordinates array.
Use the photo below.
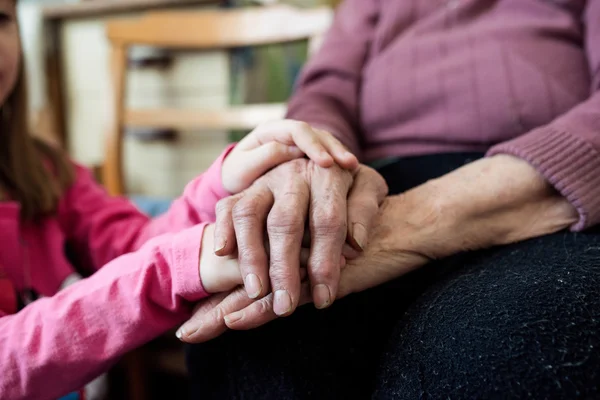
{"type": "Point", "coordinates": [390, 254]}
{"type": "Point", "coordinates": [336, 203]}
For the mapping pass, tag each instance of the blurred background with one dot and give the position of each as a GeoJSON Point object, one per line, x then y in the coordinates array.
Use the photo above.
{"type": "Point", "coordinates": [75, 100]}
{"type": "Point", "coordinates": [70, 84]}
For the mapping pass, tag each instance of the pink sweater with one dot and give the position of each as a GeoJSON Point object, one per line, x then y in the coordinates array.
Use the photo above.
{"type": "Point", "coordinates": [411, 77]}
{"type": "Point", "coordinates": [59, 343]}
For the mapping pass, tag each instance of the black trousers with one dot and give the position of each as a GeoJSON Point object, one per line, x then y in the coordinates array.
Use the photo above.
{"type": "Point", "coordinates": [521, 321]}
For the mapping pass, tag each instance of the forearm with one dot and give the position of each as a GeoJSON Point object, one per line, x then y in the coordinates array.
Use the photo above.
{"type": "Point", "coordinates": [493, 201]}
{"type": "Point", "coordinates": [196, 204]}
{"type": "Point", "coordinates": [58, 344]}
{"type": "Point", "coordinates": [100, 227]}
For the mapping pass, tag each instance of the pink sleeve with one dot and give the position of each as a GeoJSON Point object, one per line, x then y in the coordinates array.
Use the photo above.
{"type": "Point", "coordinates": [567, 151]}
{"type": "Point", "coordinates": [328, 90]}
{"type": "Point", "coordinates": [100, 227]}
{"type": "Point", "coordinates": [56, 345]}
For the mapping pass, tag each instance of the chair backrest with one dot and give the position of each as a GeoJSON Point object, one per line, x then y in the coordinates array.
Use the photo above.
{"type": "Point", "coordinates": [222, 29]}
{"type": "Point", "coordinates": [200, 30]}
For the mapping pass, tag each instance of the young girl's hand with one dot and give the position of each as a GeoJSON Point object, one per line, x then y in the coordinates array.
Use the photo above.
{"type": "Point", "coordinates": [276, 142]}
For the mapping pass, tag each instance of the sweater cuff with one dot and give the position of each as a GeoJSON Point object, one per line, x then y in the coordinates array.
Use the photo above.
{"type": "Point", "coordinates": [186, 264]}
{"type": "Point", "coordinates": [570, 164]}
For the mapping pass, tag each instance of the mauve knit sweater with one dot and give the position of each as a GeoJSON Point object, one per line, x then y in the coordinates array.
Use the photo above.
{"type": "Point", "coordinates": [412, 77]}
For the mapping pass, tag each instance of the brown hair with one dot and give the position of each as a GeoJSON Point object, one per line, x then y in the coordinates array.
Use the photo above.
{"type": "Point", "coordinates": [32, 172]}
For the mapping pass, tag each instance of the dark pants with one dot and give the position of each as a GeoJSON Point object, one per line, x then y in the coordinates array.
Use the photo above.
{"type": "Point", "coordinates": [511, 322]}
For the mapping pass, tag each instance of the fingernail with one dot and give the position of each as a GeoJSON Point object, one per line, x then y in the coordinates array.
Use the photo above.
{"type": "Point", "coordinates": [282, 303]}
{"type": "Point", "coordinates": [179, 334]}
{"type": "Point", "coordinates": [253, 286]}
{"type": "Point", "coordinates": [359, 233]}
{"type": "Point", "coordinates": [348, 155]}
{"type": "Point", "coordinates": [234, 317]}
{"type": "Point", "coordinates": [220, 244]}
{"type": "Point", "coordinates": [321, 296]}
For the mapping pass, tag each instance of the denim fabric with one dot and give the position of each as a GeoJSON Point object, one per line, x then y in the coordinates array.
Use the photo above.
{"type": "Point", "coordinates": [153, 207]}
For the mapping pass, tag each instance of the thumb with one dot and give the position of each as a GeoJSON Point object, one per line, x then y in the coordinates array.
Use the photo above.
{"type": "Point", "coordinates": [207, 321]}
{"type": "Point", "coordinates": [365, 197]}
{"type": "Point", "coordinates": [254, 163]}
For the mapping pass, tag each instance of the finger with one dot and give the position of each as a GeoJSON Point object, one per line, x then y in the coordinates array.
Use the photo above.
{"type": "Point", "coordinates": [285, 227]}
{"type": "Point", "coordinates": [349, 252]}
{"type": "Point", "coordinates": [260, 312]}
{"type": "Point", "coordinates": [295, 133]}
{"type": "Point", "coordinates": [311, 143]}
{"type": "Point", "coordinates": [338, 151]}
{"type": "Point", "coordinates": [263, 158]}
{"type": "Point", "coordinates": [328, 231]}
{"type": "Point", "coordinates": [205, 323]}
{"type": "Point", "coordinates": [365, 197]}
{"type": "Point", "coordinates": [305, 255]}
{"type": "Point", "coordinates": [249, 216]}
{"type": "Point", "coordinates": [225, 243]}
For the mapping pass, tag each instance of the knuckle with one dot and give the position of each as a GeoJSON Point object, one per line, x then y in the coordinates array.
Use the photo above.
{"type": "Point", "coordinates": [338, 179]}
{"type": "Point", "coordinates": [246, 209]}
{"type": "Point", "coordinates": [251, 259]}
{"type": "Point", "coordinates": [263, 308]}
{"type": "Point", "coordinates": [325, 271]}
{"type": "Point", "coordinates": [225, 205]}
{"type": "Point", "coordinates": [280, 272]}
{"type": "Point", "coordinates": [290, 171]}
{"type": "Point", "coordinates": [281, 222]}
{"type": "Point", "coordinates": [218, 315]}
{"type": "Point", "coordinates": [296, 167]}
{"type": "Point", "coordinates": [329, 221]}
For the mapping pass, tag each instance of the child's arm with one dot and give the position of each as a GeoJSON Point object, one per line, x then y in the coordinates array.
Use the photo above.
{"type": "Point", "coordinates": [57, 344]}
{"type": "Point", "coordinates": [101, 227]}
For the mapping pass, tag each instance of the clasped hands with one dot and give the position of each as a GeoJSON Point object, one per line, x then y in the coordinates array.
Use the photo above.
{"type": "Point", "coordinates": [292, 233]}
{"type": "Point", "coordinates": [358, 237]}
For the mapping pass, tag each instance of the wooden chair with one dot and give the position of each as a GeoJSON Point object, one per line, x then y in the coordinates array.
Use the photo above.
{"type": "Point", "coordinates": [194, 30]}
{"type": "Point", "coordinates": [199, 30]}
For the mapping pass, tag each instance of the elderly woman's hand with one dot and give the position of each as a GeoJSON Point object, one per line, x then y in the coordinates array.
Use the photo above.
{"type": "Point", "coordinates": [493, 201]}
{"type": "Point", "coordinates": [334, 204]}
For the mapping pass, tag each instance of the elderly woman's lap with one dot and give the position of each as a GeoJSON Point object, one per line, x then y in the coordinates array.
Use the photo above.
{"type": "Point", "coordinates": [524, 319]}
{"type": "Point", "coordinates": [514, 322]}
